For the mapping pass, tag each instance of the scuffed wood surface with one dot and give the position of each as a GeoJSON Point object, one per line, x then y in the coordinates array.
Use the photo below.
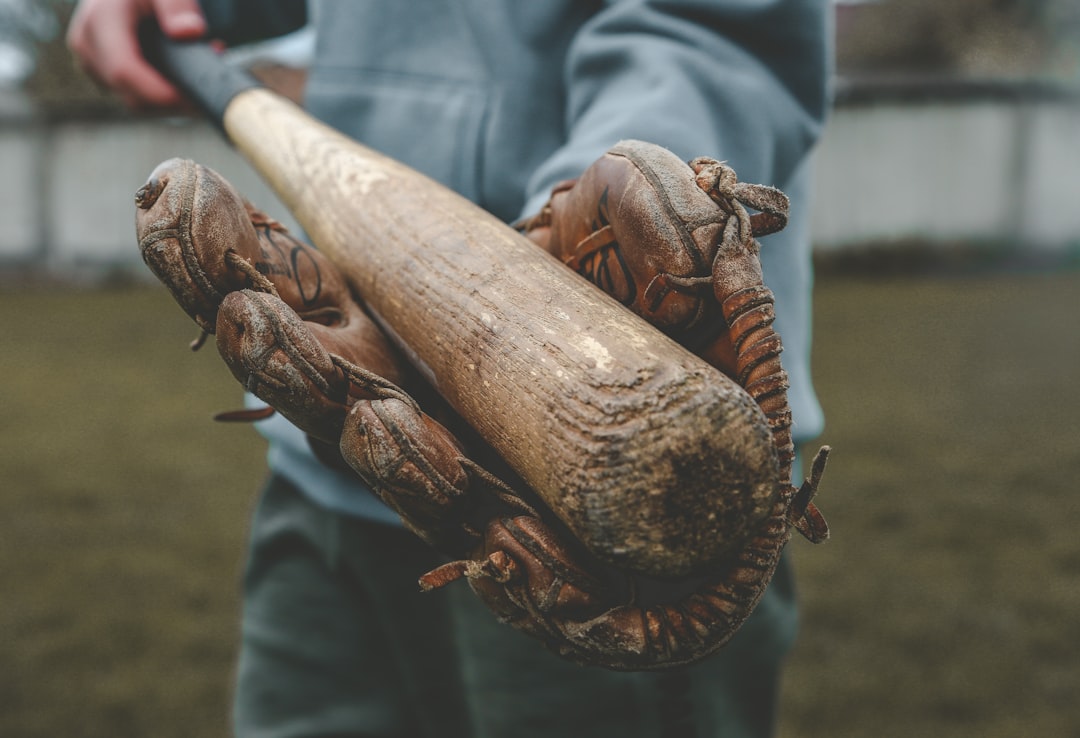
{"type": "Point", "coordinates": [646, 452]}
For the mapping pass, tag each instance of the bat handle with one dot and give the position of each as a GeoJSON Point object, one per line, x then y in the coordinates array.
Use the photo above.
{"type": "Point", "coordinates": [198, 70]}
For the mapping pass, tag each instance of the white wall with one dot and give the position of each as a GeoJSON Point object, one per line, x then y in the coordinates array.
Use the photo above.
{"type": "Point", "coordinates": [67, 189]}
{"type": "Point", "coordinates": [974, 171]}
{"type": "Point", "coordinates": [977, 171]}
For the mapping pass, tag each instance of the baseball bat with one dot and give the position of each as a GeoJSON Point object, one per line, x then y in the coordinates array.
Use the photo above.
{"type": "Point", "coordinates": [636, 444]}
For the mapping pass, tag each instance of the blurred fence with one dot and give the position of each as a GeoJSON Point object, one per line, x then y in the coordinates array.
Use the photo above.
{"type": "Point", "coordinates": [994, 164]}
{"type": "Point", "coordinates": [67, 190]}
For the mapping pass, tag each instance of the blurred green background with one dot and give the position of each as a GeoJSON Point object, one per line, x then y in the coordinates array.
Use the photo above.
{"type": "Point", "coordinates": [943, 605]}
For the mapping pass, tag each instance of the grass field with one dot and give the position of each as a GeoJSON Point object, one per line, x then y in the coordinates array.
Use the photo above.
{"type": "Point", "coordinates": [945, 604]}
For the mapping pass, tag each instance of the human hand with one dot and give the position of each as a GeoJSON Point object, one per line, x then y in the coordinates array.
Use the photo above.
{"type": "Point", "coordinates": [103, 37]}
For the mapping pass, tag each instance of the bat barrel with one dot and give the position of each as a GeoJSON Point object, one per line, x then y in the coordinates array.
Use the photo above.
{"type": "Point", "coordinates": [656, 461]}
{"type": "Point", "coordinates": [639, 446]}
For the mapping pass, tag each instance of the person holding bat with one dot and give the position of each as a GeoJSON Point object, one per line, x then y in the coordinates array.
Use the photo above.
{"type": "Point", "coordinates": [501, 102]}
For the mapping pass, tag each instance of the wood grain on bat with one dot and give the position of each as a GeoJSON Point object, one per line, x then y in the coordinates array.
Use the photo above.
{"type": "Point", "coordinates": [622, 431]}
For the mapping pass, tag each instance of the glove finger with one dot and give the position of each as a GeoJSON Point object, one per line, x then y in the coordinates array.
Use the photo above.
{"type": "Point", "coordinates": [641, 238]}
{"type": "Point", "coordinates": [292, 364]}
{"type": "Point", "coordinates": [413, 464]}
{"type": "Point", "coordinates": [204, 240]}
{"type": "Point", "coordinates": [187, 219]}
{"type": "Point", "coordinates": [637, 226]}
{"type": "Point", "coordinates": [420, 469]}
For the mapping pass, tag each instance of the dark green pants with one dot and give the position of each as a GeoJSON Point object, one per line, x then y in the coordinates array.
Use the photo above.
{"type": "Point", "coordinates": [338, 641]}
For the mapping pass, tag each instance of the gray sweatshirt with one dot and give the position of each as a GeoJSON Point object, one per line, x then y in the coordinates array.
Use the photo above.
{"type": "Point", "coordinates": [501, 99]}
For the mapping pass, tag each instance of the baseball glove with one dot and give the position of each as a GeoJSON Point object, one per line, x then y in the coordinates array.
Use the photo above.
{"type": "Point", "coordinates": [673, 243]}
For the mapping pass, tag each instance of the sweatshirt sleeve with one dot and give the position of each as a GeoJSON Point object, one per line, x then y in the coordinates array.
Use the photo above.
{"type": "Point", "coordinates": [740, 80]}
{"type": "Point", "coordinates": [244, 21]}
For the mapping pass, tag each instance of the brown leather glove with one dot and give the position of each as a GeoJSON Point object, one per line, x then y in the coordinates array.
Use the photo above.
{"type": "Point", "coordinates": [674, 243]}
{"type": "Point", "coordinates": [292, 333]}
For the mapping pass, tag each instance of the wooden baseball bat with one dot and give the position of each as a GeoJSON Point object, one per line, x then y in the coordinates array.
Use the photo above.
{"type": "Point", "coordinates": [636, 444]}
